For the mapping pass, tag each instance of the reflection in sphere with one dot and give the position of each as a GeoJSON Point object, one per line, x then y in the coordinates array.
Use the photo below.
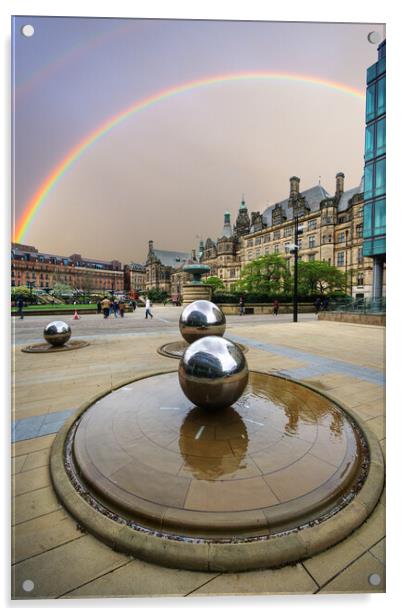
{"type": "Point", "coordinates": [213, 372]}
{"type": "Point", "coordinates": [57, 333]}
{"type": "Point", "coordinates": [213, 445]}
{"type": "Point", "coordinates": [201, 318]}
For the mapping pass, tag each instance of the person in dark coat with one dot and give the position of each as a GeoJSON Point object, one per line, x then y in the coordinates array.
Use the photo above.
{"type": "Point", "coordinates": [276, 307]}
{"type": "Point", "coordinates": [317, 303]}
{"type": "Point", "coordinates": [20, 306]}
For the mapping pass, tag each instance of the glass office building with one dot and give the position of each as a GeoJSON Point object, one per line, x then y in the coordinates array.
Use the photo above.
{"type": "Point", "coordinates": [375, 170]}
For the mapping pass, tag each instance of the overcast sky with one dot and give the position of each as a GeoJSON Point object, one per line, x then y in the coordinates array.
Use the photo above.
{"type": "Point", "coordinates": [169, 172]}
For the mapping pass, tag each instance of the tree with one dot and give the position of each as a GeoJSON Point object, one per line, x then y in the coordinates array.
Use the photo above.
{"type": "Point", "coordinates": [61, 289]}
{"type": "Point", "coordinates": [23, 292]}
{"type": "Point", "coordinates": [320, 277]}
{"type": "Point", "coordinates": [215, 282]}
{"type": "Point", "coordinates": [267, 275]}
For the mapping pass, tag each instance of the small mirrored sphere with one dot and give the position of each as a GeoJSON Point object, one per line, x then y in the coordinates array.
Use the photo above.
{"type": "Point", "coordinates": [201, 318]}
{"type": "Point", "coordinates": [57, 333]}
{"type": "Point", "coordinates": [213, 372]}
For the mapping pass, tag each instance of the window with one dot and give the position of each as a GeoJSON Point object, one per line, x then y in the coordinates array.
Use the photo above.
{"type": "Point", "coordinates": [358, 230]}
{"type": "Point", "coordinates": [381, 98]}
{"type": "Point", "coordinates": [370, 103]}
{"type": "Point", "coordinates": [341, 237]}
{"type": "Point", "coordinates": [276, 235]}
{"type": "Point", "coordinates": [380, 217]}
{"type": "Point", "coordinates": [311, 225]}
{"type": "Point", "coordinates": [287, 248]}
{"type": "Point", "coordinates": [276, 249]}
{"type": "Point", "coordinates": [288, 231]}
{"type": "Point", "coordinates": [266, 238]}
{"type": "Point", "coordinates": [380, 177]}
{"type": "Point", "coordinates": [266, 250]}
{"type": "Point", "coordinates": [341, 219]}
{"type": "Point", "coordinates": [370, 141]}
{"type": "Point", "coordinates": [311, 241]}
{"type": "Point", "coordinates": [359, 256]}
{"type": "Point", "coordinates": [257, 252]}
{"type": "Point", "coordinates": [299, 243]}
{"type": "Point", "coordinates": [258, 241]}
{"type": "Point", "coordinates": [381, 137]}
{"type": "Point", "coordinates": [368, 181]}
{"type": "Point", "coordinates": [249, 243]}
{"type": "Point", "coordinates": [360, 280]}
{"type": "Point", "coordinates": [232, 273]}
{"type": "Point", "coordinates": [340, 259]}
{"type": "Point", "coordinates": [249, 255]}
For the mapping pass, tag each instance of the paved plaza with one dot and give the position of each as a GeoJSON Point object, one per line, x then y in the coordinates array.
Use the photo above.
{"type": "Point", "coordinates": [61, 560]}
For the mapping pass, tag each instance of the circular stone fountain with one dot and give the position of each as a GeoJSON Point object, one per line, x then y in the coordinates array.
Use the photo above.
{"type": "Point", "coordinates": [57, 335]}
{"type": "Point", "coordinates": [282, 474]}
{"type": "Point", "coordinates": [199, 319]}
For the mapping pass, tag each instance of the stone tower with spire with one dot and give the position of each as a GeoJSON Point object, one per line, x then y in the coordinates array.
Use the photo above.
{"type": "Point", "coordinates": [242, 225]}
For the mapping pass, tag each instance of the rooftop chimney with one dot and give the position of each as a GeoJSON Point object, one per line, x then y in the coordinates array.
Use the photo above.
{"type": "Point", "coordinates": [339, 184]}
{"type": "Point", "coordinates": [294, 187]}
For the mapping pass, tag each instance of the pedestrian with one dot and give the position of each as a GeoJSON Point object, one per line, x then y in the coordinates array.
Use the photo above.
{"type": "Point", "coordinates": [106, 305]}
{"type": "Point", "coordinates": [317, 303]}
{"type": "Point", "coordinates": [276, 306]}
{"type": "Point", "coordinates": [122, 308]}
{"type": "Point", "coordinates": [99, 307]}
{"type": "Point", "coordinates": [134, 305]}
{"type": "Point", "coordinates": [148, 308]}
{"type": "Point", "coordinates": [20, 306]}
{"type": "Point", "coordinates": [241, 306]}
{"type": "Point", "coordinates": [325, 303]}
{"type": "Point", "coordinates": [115, 307]}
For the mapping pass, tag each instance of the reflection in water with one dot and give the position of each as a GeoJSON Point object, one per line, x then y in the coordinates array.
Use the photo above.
{"type": "Point", "coordinates": [298, 403]}
{"type": "Point", "coordinates": [213, 444]}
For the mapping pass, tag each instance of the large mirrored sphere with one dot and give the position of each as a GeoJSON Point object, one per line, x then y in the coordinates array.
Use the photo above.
{"type": "Point", "coordinates": [57, 333]}
{"type": "Point", "coordinates": [213, 372]}
{"type": "Point", "coordinates": [201, 318]}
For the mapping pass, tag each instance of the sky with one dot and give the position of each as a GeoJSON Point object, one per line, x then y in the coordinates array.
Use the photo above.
{"type": "Point", "coordinates": [169, 171]}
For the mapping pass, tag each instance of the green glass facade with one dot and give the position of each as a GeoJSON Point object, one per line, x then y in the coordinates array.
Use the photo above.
{"type": "Point", "coordinates": [375, 159]}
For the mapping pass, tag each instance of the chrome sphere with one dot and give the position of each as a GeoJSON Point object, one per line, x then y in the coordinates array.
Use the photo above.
{"type": "Point", "coordinates": [213, 372]}
{"type": "Point", "coordinates": [57, 333]}
{"type": "Point", "coordinates": [201, 318]}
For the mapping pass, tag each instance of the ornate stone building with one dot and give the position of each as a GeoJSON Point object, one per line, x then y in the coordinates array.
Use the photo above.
{"type": "Point", "coordinates": [40, 270]}
{"type": "Point", "coordinates": [135, 278]}
{"type": "Point", "coordinates": [160, 267]}
{"type": "Point", "coordinates": [332, 231]}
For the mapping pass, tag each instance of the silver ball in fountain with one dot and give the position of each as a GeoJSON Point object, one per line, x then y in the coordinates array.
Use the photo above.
{"type": "Point", "coordinates": [213, 372]}
{"type": "Point", "coordinates": [201, 318]}
{"type": "Point", "coordinates": [57, 333]}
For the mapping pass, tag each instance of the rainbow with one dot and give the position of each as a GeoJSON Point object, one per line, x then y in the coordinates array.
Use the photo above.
{"type": "Point", "coordinates": [34, 205]}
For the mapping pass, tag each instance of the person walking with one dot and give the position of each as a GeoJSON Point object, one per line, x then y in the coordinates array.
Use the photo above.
{"type": "Point", "coordinates": [241, 306]}
{"type": "Point", "coordinates": [134, 305]}
{"type": "Point", "coordinates": [325, 303]}
{"type": "Point", "coordinates": [99, 307]}
{"type": "Point", "coordinates": [115, 307]}
{"type": "Point", "coordinates": [276, 307]}
{"type": "Point", "coordinates": [317, 303]}
{"type": "Point", "coordinates": [106, 305]}
{"type": "Point", "coordinates": [148, 308]}
{"type": "Point", "coordinates": [20, 306]}
{"type": "Point", "coordinates": [122, 308]}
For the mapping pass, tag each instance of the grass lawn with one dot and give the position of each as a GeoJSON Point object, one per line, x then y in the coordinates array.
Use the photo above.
{"type": "Point", "coordinates": [53, 307]}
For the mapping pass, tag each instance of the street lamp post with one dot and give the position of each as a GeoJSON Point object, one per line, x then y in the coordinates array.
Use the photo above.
{"type": "Point", "coordinates": [297, 232]}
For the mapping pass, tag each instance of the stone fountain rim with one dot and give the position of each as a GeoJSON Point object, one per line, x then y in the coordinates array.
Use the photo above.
{"type": "Point", "coordinates": [211, 555]}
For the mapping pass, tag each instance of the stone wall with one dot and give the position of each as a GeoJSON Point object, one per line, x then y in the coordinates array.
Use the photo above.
{"type": "Point", "coordinates": [351, 317]}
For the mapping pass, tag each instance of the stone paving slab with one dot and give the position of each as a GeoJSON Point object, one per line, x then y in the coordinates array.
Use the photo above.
{"type": "Point", "coordinates": [355, 578]}
{"type": "Point", "coordinates": [64, 568]}
{"type": "Point", "coordinates": [140, 579]}
{"type": "Point", "coordinates": [33, 537]}
{"type": "Point", "coordinates": [288, 580]}
{"type": "Point", "coordinates": [34, 504]}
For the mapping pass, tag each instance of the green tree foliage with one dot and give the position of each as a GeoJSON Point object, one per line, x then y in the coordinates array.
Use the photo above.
{"type": "Point", "coordinates": [157, 295]}
{"type": "Point", "coordinates": [23, 292]}
{"type": "Point", "coordinates": [320, 277]}
{"type": "Point", "coordinates": [60, 289]}
{"type": "Point", "coordinates": [215, 282]}
{"type": "Point", "coordinates": [268, 274]}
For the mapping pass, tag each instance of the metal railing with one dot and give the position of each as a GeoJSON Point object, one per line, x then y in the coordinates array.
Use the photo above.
{"type": "Point", "coordinates": [361, 306]}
